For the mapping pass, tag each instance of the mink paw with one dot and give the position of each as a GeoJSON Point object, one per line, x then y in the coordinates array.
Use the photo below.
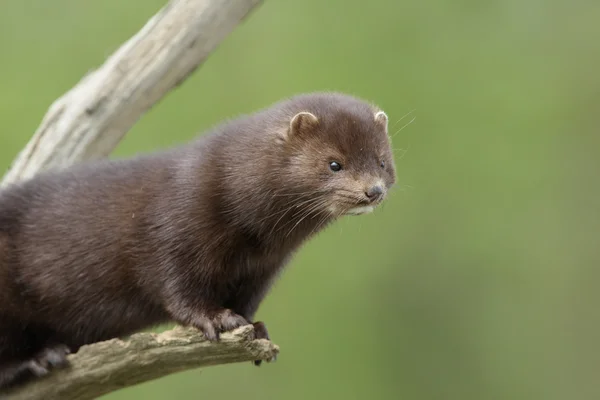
{"type": "Point", "coordinates": [261, 332]}
{"type": "Point", "coordinates": [19, 372]}
{"type": "Point", "coordinates": [227, 320]}
{"type": "Point", "coordinates": [50, 358]}
{"type": "Point", "coordinates": [53, 357]}
{"type": "Point", "coordinates": [219, 322]}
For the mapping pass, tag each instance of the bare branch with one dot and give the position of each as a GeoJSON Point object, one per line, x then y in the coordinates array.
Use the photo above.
{"type": "Point", "coordinates": [108, 366]}
{"type": "Point", "coordinates": [91, 119]}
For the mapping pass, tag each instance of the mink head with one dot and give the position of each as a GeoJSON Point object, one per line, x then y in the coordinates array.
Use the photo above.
{"type": "Point", "coordinates": [338, 153]}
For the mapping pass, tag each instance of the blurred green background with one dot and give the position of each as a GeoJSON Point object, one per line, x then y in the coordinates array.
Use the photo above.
{"type": "Point", "coordinates": [479, 277]}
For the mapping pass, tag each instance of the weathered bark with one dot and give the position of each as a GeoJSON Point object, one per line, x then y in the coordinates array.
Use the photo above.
{"type": "Point", "coordinates": [87, 123]}
{"type": "Point", "coordinates": [108, 366]}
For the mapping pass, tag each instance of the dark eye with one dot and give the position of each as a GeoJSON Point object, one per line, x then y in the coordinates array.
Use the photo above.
{"type": "Point", "coordinates": [382, 164]}
{"type": "Point", "coordinates": [334, 166]}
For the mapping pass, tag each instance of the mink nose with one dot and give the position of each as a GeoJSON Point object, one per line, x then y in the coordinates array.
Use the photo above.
{"type": "Point", "coordinates": [374, 192]}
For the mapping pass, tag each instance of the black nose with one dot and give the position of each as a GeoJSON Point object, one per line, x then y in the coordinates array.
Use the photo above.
{"type": "Point", "coordinates": [374, 192]}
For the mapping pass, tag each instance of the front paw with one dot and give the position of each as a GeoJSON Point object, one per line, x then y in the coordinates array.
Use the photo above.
{"type": "Point", "coordinates": [215, 323]}
{"type": "Point", "coordinates": [261, 332]}
{"type": "Point", "coordinates": [227, 320]}
{"type": "Point", "coordinates": [54, 356]}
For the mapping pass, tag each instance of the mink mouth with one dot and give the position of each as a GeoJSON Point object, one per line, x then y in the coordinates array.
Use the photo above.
{"type": "Point", "coordinates": [360, 210]}
{"type": "Point", "coordinates": [355, 205]}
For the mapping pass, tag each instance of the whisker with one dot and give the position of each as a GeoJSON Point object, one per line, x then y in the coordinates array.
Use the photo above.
{"type": "Point", "coordinates": [350, 192]}
{"type": "Point", "coordinates": [279, 219]}
{"type": "Point", "coordinates": [300, 194]}
{"type": "Point", "coordinates": [320, 223]}
{"type": "Point", "coordinates": [300, 220]}
{"type": "Point", "coordinates": [405, 115]}
{"type": "Point", "coordinates": [315, 207]}
{"type": "Point", "coordinates": [292, 203]}
{"type": "Point", "coordinates": [308, 202]}
{"type": "Point", "coordinates": [404, 151]}
{"type": "Point", "coordinates": [401, 188]}
{"type": "Point", "coordinates": [352, 200]}
{"type": "Point", "coordinates": [349, 195]}
{"type": "Point", "coordinates": [407, 124]}
{"type": "Point", "coordinates": [301, 207]}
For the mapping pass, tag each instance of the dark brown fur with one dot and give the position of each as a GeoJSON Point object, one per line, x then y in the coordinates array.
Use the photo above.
{"type": "Point", "coordinates": [195, 234]}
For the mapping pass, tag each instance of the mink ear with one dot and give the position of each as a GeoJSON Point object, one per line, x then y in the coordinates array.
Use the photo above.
{"type": "Point", "coordinates": [301, 122]}
{"type": "Point", "coordinates": [381, 119]}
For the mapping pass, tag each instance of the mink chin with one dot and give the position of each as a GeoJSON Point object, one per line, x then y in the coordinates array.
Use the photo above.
{"type": "Point", "coordinates": [196, 234]}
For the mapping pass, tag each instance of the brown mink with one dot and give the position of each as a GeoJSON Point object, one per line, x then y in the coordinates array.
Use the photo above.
{"type": "Point", "coordinates": [195, 234]}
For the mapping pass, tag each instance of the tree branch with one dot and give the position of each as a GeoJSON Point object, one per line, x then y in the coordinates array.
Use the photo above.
{"type": "Point", "coordinates": [87, 123]}
{"type": "Point", "coordinates": [111, 365]}
{"type": "Point", "coordinates": [91, 119]}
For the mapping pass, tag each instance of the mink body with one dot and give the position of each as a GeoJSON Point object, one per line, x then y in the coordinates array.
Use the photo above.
{"type": "Point", "coordinates": [195, 234]}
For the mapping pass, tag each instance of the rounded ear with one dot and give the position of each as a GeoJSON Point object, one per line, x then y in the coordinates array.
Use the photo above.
{"type": "Point", "coordinates": [381, 119]}
{"type": "Point", "coordinates": [302, 121]}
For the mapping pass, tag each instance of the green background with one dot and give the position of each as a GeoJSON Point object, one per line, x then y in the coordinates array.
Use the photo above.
{"type": "Point", "coordinates": [478, 278]}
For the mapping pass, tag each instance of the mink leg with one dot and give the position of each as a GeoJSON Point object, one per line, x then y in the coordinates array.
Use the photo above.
{"type": "Point", "coordinates": [40, 365]}
{"type": "Point", "coordinates": [27, 353]}
{"type": "Point", "coordinates": [246, 303]}
{"type": "Point", "coordinates": [12, 373]}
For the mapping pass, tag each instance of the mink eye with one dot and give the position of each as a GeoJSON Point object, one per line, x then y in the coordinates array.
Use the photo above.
{"type": "Point", "coordinates": [334, 166]}
{"type": "Point", "coordinates": [382, 165]}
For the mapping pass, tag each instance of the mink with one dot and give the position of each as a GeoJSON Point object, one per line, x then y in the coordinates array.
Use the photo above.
{"type": "Point", "coordinates": [195, 234]}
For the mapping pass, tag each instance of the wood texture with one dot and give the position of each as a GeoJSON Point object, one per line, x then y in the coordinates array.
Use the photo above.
{"type": "Point", "coordinates": [107, 366]}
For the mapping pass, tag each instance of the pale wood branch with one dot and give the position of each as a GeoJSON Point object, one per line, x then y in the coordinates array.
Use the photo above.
{"type": "Point", "coordinates": [90, 120]}
{"type": "Point", "coordinates": [87, 123]}
{"type": "Point", "coordinates": [108, 366]}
